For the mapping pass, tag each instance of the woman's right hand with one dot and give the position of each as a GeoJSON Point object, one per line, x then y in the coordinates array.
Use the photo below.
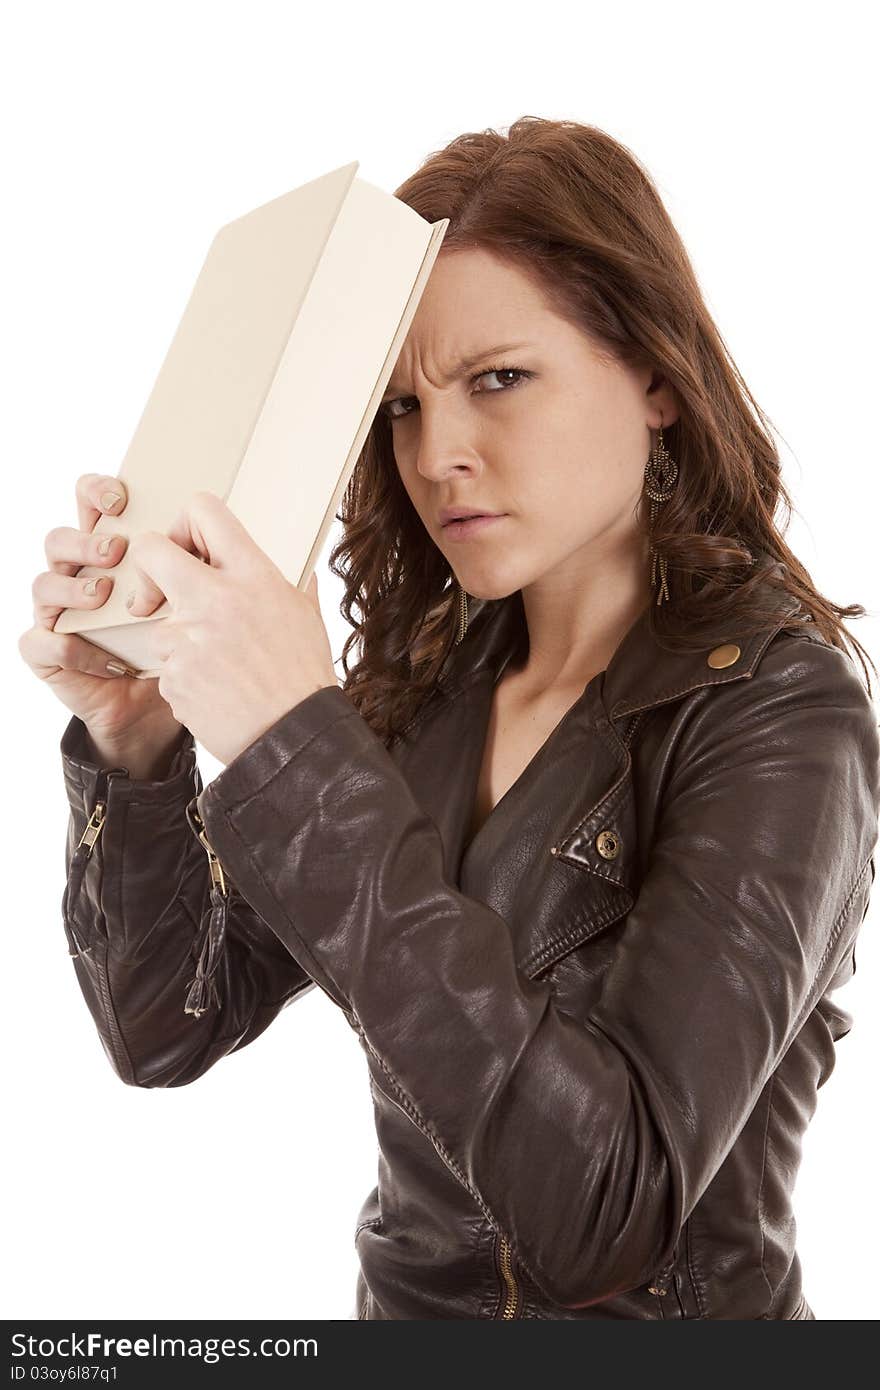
{"type": "Point", "coordinates": [115, 707]}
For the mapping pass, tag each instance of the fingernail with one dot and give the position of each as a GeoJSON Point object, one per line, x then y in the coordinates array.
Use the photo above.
{"type": "Point", "coordinates": [109, 500]}
{"type": "Point", "coordinates": [117, 668]}
{"type": "Point", "coordinates": [91, 585]}
{"type": "Point", "coordinates": [129, 598]}
{"type": "Point", "coordinates": [105, 544]}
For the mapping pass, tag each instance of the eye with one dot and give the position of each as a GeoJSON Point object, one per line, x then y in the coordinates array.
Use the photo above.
{"type": "Point", "coordinates": [391, 409]}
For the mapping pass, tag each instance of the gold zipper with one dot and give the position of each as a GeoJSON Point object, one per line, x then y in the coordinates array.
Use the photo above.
{"type": "Point", "coordinates": [512, 1290]}
{"type": "Point", "coordinates": [87, 838]}
{"type": "Point", "coordinates": [219, 877]}
{"type": "Point", "coordinates": [661, 1283]}
{"type": "Point", "coordinates": [659, 1286]}
{"type": "Point", "coordinates": [93, 828]}
{"type": "Point", "coordinates": [202, 990]}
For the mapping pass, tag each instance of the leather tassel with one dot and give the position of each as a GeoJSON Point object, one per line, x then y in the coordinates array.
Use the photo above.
{"type": "Point", "coordinates": [202, 990]}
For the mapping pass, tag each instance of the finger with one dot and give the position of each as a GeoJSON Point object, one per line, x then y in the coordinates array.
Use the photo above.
{"type": "Point", "coordinates": [48, 652]}
{"type": "Point", "coordinates": [67, 550]}
{"type": "Point", "coordinates": [168, 565]}
{"type": "Point", "coordinates": [93, 498]}
{"type": "Point", "coordinates": [52, 592]}
{"type": "Point", "coordinates": [161, 570]}
{"type": "Point", "coordinates": [205, 526]}
{"type": "Point", "coordinates": [145, 595]}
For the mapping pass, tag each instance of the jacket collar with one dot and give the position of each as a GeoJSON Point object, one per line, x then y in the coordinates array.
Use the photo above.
{"type": "Point", "coordinates": [641, 672]}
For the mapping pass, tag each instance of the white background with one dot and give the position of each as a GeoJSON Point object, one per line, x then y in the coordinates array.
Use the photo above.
{"type": "Point", "coordinates": [131, 133]}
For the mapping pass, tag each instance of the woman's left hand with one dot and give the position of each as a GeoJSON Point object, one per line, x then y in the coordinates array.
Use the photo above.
{"type": "Point", "coordinates": [240, 644]}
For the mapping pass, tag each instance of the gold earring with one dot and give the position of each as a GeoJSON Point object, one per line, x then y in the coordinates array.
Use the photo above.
{"type": "Point", "coordinates": [462, 614]}
{"type": "Point", "coordinates": [661, 473]}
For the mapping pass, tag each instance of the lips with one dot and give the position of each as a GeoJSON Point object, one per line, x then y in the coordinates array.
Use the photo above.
{"type": "Point", "coordinates": [471, 525]}
{"type": "Point", "coordinates": [447, 516]}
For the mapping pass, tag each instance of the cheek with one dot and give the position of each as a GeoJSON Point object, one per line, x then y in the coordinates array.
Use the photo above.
{"type": "Point", "coordinates": [406, 459]}
{"type": "Point", "coordinates": [404, 466]}
{"type": "Point", "coordinates": [571, 502]}
{"type": "Point", "coordinates": [419, 492]}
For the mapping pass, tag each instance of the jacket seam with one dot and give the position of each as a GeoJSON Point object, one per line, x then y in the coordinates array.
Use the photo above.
{"type": "Point", "coordinates": [550, 953]}
{"type": "Point", "coordinates": [664, 696]}
{"type": "Point", "coordinates": [831, 943]}
{"type": "Point", "coordinates": [628, 736]}
{"type": "Point", "coordinates": [373, 1222]}
{"type": "Point", "coordinates": [690, 1261]}
{"type": "Point", "coordinates": [765, 1147]}
{"type": "Point", "coordinates": [120, 1046]}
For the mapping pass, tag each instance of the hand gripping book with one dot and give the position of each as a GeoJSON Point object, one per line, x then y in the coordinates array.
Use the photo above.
{"type": "Point", "coordinates": [271, 383]}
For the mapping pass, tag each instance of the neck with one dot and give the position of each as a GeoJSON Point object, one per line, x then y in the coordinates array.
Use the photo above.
{"type": "Point", "coordinates": [576, 618]}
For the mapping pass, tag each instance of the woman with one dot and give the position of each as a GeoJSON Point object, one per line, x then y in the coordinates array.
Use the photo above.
{"type": "Point", "coordinates": [582, 845]}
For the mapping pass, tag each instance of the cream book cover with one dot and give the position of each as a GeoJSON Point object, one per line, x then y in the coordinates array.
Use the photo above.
{"type": "Point", "coordinates": [271, 383]}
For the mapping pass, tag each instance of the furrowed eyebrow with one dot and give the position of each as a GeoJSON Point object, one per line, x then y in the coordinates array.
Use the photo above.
{"type": "Point", "coordinates": [464, 365]}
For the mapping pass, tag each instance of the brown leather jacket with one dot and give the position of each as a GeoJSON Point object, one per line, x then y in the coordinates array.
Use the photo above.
{"type": "Point", "coordinates": [595, 1034]}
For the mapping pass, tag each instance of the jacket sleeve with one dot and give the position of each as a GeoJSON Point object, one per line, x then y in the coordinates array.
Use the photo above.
{"type": "Point", "coordinates": [132, 907]}
{"type": "Point", "coordinates": [586, 1142]}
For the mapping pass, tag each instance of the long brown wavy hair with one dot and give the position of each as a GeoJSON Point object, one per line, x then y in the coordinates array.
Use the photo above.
{"type": "Point", "coordinates": [574, 209]}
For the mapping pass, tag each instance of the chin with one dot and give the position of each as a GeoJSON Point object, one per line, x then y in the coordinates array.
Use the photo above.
{"type": "Point", "coordinates": [488, 588]}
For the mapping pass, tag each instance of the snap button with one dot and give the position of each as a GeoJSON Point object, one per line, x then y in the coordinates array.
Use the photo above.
{"type": "Point", "coordinates": [608, 844]}
{"type": "Point", "coordinates": [724, 656]}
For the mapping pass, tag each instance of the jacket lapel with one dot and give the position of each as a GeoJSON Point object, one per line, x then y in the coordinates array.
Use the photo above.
{"type": "Point", "coordinates": [557, 858]}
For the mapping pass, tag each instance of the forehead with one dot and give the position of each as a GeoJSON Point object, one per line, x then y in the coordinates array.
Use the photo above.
{"type": "Point", "coordinates": [473, 291]}
{"type": "Point", "coordinates": [473, 304]}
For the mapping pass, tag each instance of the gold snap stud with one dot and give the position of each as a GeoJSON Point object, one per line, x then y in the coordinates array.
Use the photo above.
{"type": "Point", "coordinates": [608, 844]}
{"type": "Point", "coordinates": [724, 656]}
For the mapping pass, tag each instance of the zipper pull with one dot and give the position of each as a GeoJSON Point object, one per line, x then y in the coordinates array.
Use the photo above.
{"type": "Point", "coordinates": [73, 886]}
{"type": "Point", "coordinates": [80, 948]}
{"type": "Point", "coordinates": [202, 991]}
{"type": "Point", "coordinates": [95, 822]}
{"type": "Point", "coordinates": [219, 877]}
{"type": "Point", "coordinates": [662, 1280]}
{"type": "Point", "coordinates": [93, 827]}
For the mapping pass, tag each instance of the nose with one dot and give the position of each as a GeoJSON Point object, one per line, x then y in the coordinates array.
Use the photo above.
{"type": "Point", "coordinates": [444, 446]}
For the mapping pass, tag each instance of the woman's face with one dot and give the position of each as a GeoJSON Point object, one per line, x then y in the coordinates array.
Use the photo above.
{"type": "Point", "coordinates": [557, 441]}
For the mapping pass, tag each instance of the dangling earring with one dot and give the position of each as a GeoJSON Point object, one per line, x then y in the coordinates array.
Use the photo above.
{"type": "Point", "coordinates": [462, 614]}
{"type": "Point", "coordinates": [661, 472]}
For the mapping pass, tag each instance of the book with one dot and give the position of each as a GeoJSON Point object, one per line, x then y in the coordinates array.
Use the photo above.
{"type": "Point", "coordinates": [271, 382]}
